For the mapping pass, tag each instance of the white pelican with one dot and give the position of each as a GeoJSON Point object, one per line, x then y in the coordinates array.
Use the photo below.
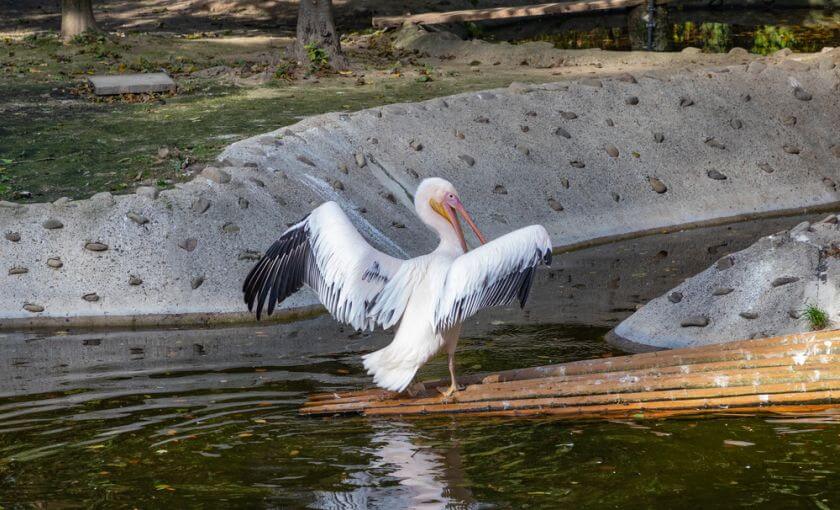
{"type": "Point", "coordinates": [428, 296]}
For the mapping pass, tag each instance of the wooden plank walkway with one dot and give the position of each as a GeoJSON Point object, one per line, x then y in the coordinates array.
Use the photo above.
{"type": "Point", "coordinates": [525, 11]}
{"type": "Point", "coordinates": [788, 374]}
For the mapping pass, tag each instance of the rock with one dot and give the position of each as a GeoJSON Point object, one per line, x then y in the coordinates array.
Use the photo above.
{"type": "Point", "coordinates": [337, 185]}
{"type": "Point", "coordinates": [417, 146]}
{"type": "Point", "coordinates": [361, 161]}
{"type": "Point", "coordinates": [568, 115]}
{"type": "Point", "coordinates": [801, 94]}
{"type": "Point", "coordinates": [55, 262]}
{"type": "Point", "coordinates": [714, 174]}
{"type": "Point", "coordinates": [691, 50]}
{"type": "Point", "coordinates": [749, 315]}
{"type": "Point", "coordinates": [658, 137]}
{"type": "Point", "coordinates": [52, 224]}
{"type": "Point", "coordinates": [739, 52]}
{"type": "Point", "coordinates": [519, 88]}
{"type": "Point", "coordinates": [564, 182]}
{"type": "Point", "coordinates": [188, 244]}
{"type": "Point", "coordinates": [745, 98]}
{"type": "Point", "coordinates": [12, 236]}
{"type": "Point", "coordinates": [695, 321]}
{"type": "Point", "coordinates": [469, 160]}
{"type": "Point", "coordinates": [523, 150]}
{"type": "Point", "coordinates": [150, 192]}
{"type": "Point", "coordinates": [103, 199]}
{"type": "Point", "coordinates": [342, 167]}
{"type": "Point", "coordinates": [591, 82]}
{"type": "Point", "coordinates": [611, 150]}
{"type": "Point", "coordinates": [196, 282]}
{"type": "Point", "coordinates": [711, 142]}
{"type": "Point", "coordinates": [722, 291]}
{"type": "Point", "coordinates": [91, 297]}
{"type": "Point", "coordinates": [577, 163]}
{"type": "Point", "coordinates": [96, 246]}
{"type": "Point", "coordinates": [835, 150]}
{"type": "Point", "coordinates": [554, 204]}
{"type": "Point", "coordinates": [250, 255]}
{"type": "Point", "coordinates": [9, 205]}
{"type": "Point", "coordinates": [500, 190]}
{"type": "Point", "coordinates": [790, 149]}
{"type": "Point", "coordinates": [482, 120]}
{"type": "Point", "coordinates": [736, 123]}
{"type": "Point", "coordinates": [200, 205]}
{"type": "Point", "coordinates": [18, 270]}
{"type": "Point", "coordinates": [626, 78]}
{"type": "Point", "coordinates": [562, 132]}
{"type": "Point", "coordinates": [724, 263]}
{"type": "Point", "coordinates": [230, 228]}
{"type": "Point", "coordinates": [789, 120]}
{"type": "Point", "coordinates": [609, 123]}
{"type": "Point", "coordinates": [657, 185]}
{"type": "Point", "coordinates": [756, 67]}
{"type": "Point", "coordinates": [134, 281]}
{"type": "Point", "coordinates": [632, 101]}
{"type": "Point", "coordinates": [829, 184]}
{"type": "Point", "coordinates": [216, 175]}
{"type": "Point", "coordinates": [244, 203]}
{"type": "Point", "coordinates": [524, 128]}
{"type": "Point", "coordinates": [784, 52]}
{"type": "Point", "coordinates": [458, 134]}
{"type": "Point", "coordinates": [33, 308]}
{"type": "Point", "coordinates": [685, 102]}
{"type": "Point", "coordinates": [615, 196]}
{"type": "Point", "coordinates": [675, 297]}
{"type": "Point", "coordinates": [137, 218]}
{"type": "Point", "coordinates": [486, 95]}
{"type": "Point", "coordinates": [784, 280]}
{"type": "Point", "coordinates": [765, 167]}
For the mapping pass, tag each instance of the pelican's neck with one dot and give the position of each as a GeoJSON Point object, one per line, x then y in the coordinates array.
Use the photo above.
{"type": "Point", "coordinates": [449, 242]}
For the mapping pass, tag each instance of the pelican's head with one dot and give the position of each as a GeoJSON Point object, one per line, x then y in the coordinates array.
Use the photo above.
{"type": "Point", "coordinates": [438, 205]}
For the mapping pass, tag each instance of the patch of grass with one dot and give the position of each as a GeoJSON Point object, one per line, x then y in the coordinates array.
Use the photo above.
{"type": "Point", "coordinates": [318, 57]}
{"type": "Point", "coordinates": [817, 317]}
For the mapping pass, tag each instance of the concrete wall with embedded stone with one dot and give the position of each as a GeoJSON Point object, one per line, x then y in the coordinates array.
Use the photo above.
{"type": "Point", "coordinates": [586, 159]}
{"type": "Point", "coordinates": [758, 292]}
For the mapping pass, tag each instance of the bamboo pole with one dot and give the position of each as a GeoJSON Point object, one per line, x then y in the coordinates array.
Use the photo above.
{"type": "Point", "coordinates": [525, 11]}
{"type": "Point", "coordinates": [779, 374]}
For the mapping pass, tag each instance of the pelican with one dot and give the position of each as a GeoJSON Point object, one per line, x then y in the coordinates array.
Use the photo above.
{"type": "Point", "coordinates": [428, 297]}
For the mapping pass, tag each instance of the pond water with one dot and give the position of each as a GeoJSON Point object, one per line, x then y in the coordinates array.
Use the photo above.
{"type": "Point", "coordinates": [208, 418]}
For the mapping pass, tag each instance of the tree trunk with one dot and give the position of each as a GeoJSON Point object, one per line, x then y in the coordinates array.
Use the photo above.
{"type": "Point", "coordinates": [316, 29]}
{"type": "Point", "coordinates": [76, 18]}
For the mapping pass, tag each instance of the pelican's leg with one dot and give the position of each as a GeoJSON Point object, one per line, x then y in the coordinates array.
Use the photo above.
{"type": "Point", "coordinates": [453, 388]}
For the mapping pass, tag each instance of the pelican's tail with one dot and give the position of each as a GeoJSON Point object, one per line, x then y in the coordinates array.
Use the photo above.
{"type": "Point", "coordinates": [391, 372]}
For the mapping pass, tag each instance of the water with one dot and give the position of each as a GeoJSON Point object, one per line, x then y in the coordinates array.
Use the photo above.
{"type": "Point", "coordinates": [208, 418]}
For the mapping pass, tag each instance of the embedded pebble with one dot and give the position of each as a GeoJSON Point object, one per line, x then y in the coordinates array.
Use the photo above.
{"type": "Point", "coordinates": [675, 297]}
{"type": "Point", "coordinates": [150, 192]}
{"type": "Point", "coordinates": [568, 115]}
{"type": "Point", "coordinates": [632, 101]}
{"type": "Point", "coordinates": [722, 291]}
{"type": "Point", "coordinates": [765, 167]}
{"type": "Point", "coordinates": [91, 297]}
{"type": "Point", "coordinates": [137, 218]}
{"type": "Point", "coordinates": [260, 183]}
{"type": "Point", "coordinates": [577, 163]}
{"type": "Point", "coordinates": [342, 167]}
{"type": "Point", "coordinates": [250, 255]}
{"type": "Point", "coordinates": [216, 175]}
{"type": "Point", "coordinates": [397, 224]}
{"type": "Point", "coordinates": [55, 262]}
{"type": "Point", "coordinates": [200, 205]}
{"type": "Point", "coordinates": [789, 120]}
{"type": "Point", "coordinates": [592, 82]}
{"type": "Point", "coordinates": [611, 150]}
{"type": "Point", "coordinates": [695, 321]}
{"type": "Point", "coordinates": [749, 315]}
{"type": "Point", "coordinates": [33, 308]}
{"type": "Point", "coordinates": [417, 146]}
{"type": "Point", "coordinates": [522, 149]}
{"type": "Point", "coordinates": [244, 203]}
{"type": "Point", "coordinates": [784, 280]}
{"type": "Point", "coordinates": [829, 183]}
{"type": "Point", "coordinates": [609, 123]}
{"type": "Point", "coordinates": [745, 98]}
{"type": "Point", "coordinates": [482, 120]}
{"type": "Point", "coordinates": [459, 135]}
{"type": "Point", "coordinates": [18, 270]}
{"type": "Point", "coordinates": [725, 263]}
{"type": "Point", "coordinates": [96, 246]}
{"type": "Point", "coordinates": [500, 190]}
{"type": "Point", "coordinates": [562, 132]}
{"type": "Point", "coordinates": [756, 67]}
{"type": "Point", "coordinates": [134, 281]}
{"type": "Point", "coordinates": [626, 78]}
{"type": "Point", "coordinates": [524, 128]}
{"type": "Point", "coordinates": [684, 102]}
{"type": "Point", "coordinates": [361, 162]}
{"type": "Point", "coordinates": [835, 150]}
{"type": "Point", "coordinates": [554, 204]}
{"type": "Point", "coordinates": [564, 182]}
{"type": "Point", "coordinates": [801, 94]}
{"type": "Point", "coordinates": [657, 185]}
{"type": "Point", "coordinates": [337, 185]}
{"type": "Point", "coordinates": [615, 196]}
{"type": "Point", "coordinates": [52, 224]}
{"type": "Point", "coordinates": [469, 160]}
{"type": "Point", "coordinates": [12, 236]}
{"type": "Point", "coordinates": [306, 161]}
{"type": "Point", "coordinates": [61, 202]}
{"type": "Point", "coordinates": [711, 142]}
{"type": "Point", "coordinates": [714, 174]}
{"type": "Point", "coordinates": [736, 123]}
{"type": "Point", "coordinates": [658, 137]}
{"type": "Point", "coordinates": [103, 199]}
{"type": "Point", "coordinates": [230, 228]}
{"type": "Point", "coordinates": [188, 244]}
{"type": "Point", "coordinates": [412, 173]}
{"type": "Point", "coordinates": [196, 281]}
{"type": "Point", "coordinates": [790, 149]}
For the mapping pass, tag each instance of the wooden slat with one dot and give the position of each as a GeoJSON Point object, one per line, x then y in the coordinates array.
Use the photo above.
{"type": "Point", "coordinates": [526, 11]}
{"type": "Point", "coordinates": [761, 375]}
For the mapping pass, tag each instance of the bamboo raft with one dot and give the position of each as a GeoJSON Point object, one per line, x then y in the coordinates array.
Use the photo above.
{"type": "Point", "coordinates": [792, 374]}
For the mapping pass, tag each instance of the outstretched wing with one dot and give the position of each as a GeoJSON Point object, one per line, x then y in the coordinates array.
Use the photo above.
{"type": "Point", "coordinates": [327, 253]}
{"type": "Point", "coordinates": [492, 274]}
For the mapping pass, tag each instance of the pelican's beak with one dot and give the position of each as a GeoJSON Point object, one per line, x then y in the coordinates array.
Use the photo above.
{"type": "Point", "coordinates": [452, 206]}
